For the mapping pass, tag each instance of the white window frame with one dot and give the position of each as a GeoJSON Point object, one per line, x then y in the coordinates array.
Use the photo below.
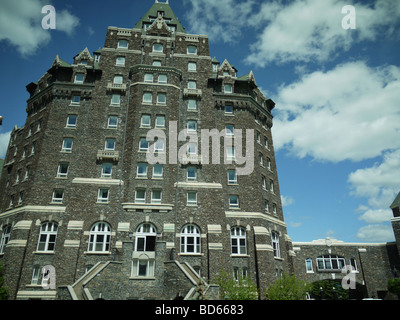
{"type": "Point", "coordinates": [104, 173]}
{"type": "Point", "coordinates": [71, 124]}
{"type": "Point", "coordinates": [144, 149]}
{"type": "Point", "coordinates": [190, 201]}
{"type": "Point", "coordinates": [112, 122]}
{"type": "Point", "coordinates": [65, 147]}
{"type": "Point", "coordinates": [234, 180]}
{"type": "Point", "coordinates": [116, 100]}
{"type": "Point", "coordinates": [100, 195]}
{"type": "Point", "coordinates": [149, 77]}
{"type": "Point", "coordinates": [5, 237]}
{"type": "Point", "coordinates": [158, 199]}
{"type": "Point", "coordinates": [275, 244]}
{"type": "Point", "coordinates": [143, 122]}
{"type": "Point", "coordinates": [55, 199]}
{"type": "Point", "coordinates": [192, 105]}
{"type": "Point", "coordinates": [238, 241]}
{"type": "Point", "coordinates": [192, 66]}
{"type": "Point", "coordinates": [162, 78]}
{"type": "Point", "coordinates": [109, 144]}
{"type": "Point", "coordinates": [120, 61]}
{"type": "Point", "coordinates": [190, 50]}
{"type": "Point", "coordinates": [142, 166]}
{"type": "Point", "coordinates": [148, 97]}
{"type": "Point", "coordinates": [121, 42]}
{"type": "Point", "coordinates": [161, 98]}
{"type": "Point", "coordinates": [158, 123]}
{"type": "Point", "coordinates": [61, 174]}
{"type": "Point", "coordinates": [140, 200]}
{"type": "Point", "coordinates": [118, 79]}
{"type": "Point", "coordinates": [47, 237]}
{"type": "Point", "coordinates": [158, 48]}
{"type": "Point", "coordinates": [158, 175]}
{"type": "Point", "coordinates": [234, 204]}
{"type": "Point", "coordinates": [190, 178]}
{"type": "Point", "coordinates": [100, 238]}
{"type": "Point", "coordinates": [78, 76]}
{"type": "Point", "coordinates": [190, 239]}
{"type": "Point", "coordinates": [228, 88]}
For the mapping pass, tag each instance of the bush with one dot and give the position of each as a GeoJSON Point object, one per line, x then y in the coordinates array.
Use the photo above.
{"type": "Point", "coordinates": [288, 288]}
{"type": "Point", "coordinates": [331, 290]}
{"type": "Point", "coordinates": [230, 289]}
{"type": "Point", "coordinates": [394, 286]}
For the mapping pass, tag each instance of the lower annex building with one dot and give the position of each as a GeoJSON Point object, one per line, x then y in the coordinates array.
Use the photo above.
{"type": "Point", "coordinates": [146, 165]}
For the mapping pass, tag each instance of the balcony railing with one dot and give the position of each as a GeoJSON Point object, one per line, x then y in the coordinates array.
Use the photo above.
{"type": "Point", "coordinates": [192, 92]}
{"type": "Point", "coordinates": [108, 155]}
{"type": "Point", "coordinates": [190, 158]}
{"type": "Point", "coordinates": [116, 86]}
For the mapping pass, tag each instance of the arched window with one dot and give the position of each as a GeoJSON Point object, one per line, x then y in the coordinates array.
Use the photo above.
{"type": "Point", "coordinates": [145, 237]}
{"type": "Point", "coordinates": [238, 240]}
{"type": "Point", "coordinates": [190, 239]}
{"type": "Point", "coordinates": [47, 236]}
{"type": "Point", "coordinates": [275, 244]}
{"type": "Point", "coordinates": [5, 237]}
{"type": "Point", "coordinates": [99, 238]}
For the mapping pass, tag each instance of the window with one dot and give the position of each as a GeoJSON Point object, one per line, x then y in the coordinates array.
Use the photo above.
{"type": "Point", "coordinates": [190, 239]}
{"type": "Point", "coordinates": [106, 171]}
{"type": "Point", "coordinates": [110, 144]}
{"type": "Point", "coordinates": [33, 148]}
{"type": "Point", "coordinates": [266, 143]}
{"type": "Point", "coordinates": [145, 238]}
{"type": "Point", "coordinates": [62, 171]}
{"type": "Point", "coordinates": [238, 241]}
{"type": "Point", "coordinates": [159, 145]}
{"type": "Point", "coordinates": [192, 198]}
{"type": "Point", "coordinates": [274, 208]}
{"type": "Point", "coordinates": [157, 63]}
{"type": "Point", "coordinates": [192, 66]}
{"type": "Point", "coordinates": [192, 105]}
{"type": "Point", "coordinates": [232, 177]}
{"type": "Point", "coordinates": [72, 120]}
{"type": "Point", "coordinates": [191, 50]}
{"type": "Point", "coordinates": [67, 145]}
{"type": "Point", "coordinates": [148, 77]}
{"type": "Point", "coordinates": [158, 47]}
{"type": "Point", "coordinates": [156, 196]}
{"type": "Point", "coordinates": [258, 137]}
{"type": "Point", "coordinates": [21, 197]}
{"type": "Point", "coordinates": [143, 266]}
{"type": "Point", "coordinates": [28, 168]}
{"type": "Point", "coordinates": [118, 79]}
{"type": "Point", "coordinates": [58, 195]}
{"type": "Point", "coordinates": [353, 263]}
{"type": "Point", "coordinates": [192, 126]}
{"type": "Point", "coordinates": [100, 237]}
{"type": "Point", "coordinates": [191, 174]}
{"type": "Point", "coordinates": [161, 98]}
{"type": "Point", "coordinates": [140, 196]}
{"type": "Point", "coordinates": [115, 99]}
{"type": "Point", "coordinates": [261, 159]}
{"type": "Point", "coordinates": [158, 171]}
{"type": "Point", "coordinates": [228, 109]}
{"type": "Point", "coordinates": [268, 163]}
{"type": "Point", "coordinates": [192, 148]}
{"type": "Point", "coordinates": [228, 88]}
{"type": "Point", "coordinates": [233, 201]}
{"type": "Point", "coordinates": [271, 186]}
{"type": "Point", "coordinates": [103, 195]}
{"type": "Point", "coordinates": [142, 170]}
{"type": "Point", "coordinates": [147, 97]}
{"type": "Point", "coordinates": [123, 44]}
{"type": "Point", "coordinates": [160, 122]}
{"type": "Point", "coordinates": [79, 78]}
{"type": "Point", "coordinates": [35, 275]}
{"type": "Point", "coordinates": [76, 100]}
{"type": "Point", "coordinates": [266, 206]}
{"type": "Point", "coordinates": [145, 121]}
{"type": "Point", "coordinates": [309, 266]}
{"type": "Point", "coordinates": [112, 122]}
{"type": "Point", "coordinates": [5, 237]}
{"type": "Point", "coordinates": [275, 244]}
{"type": "Point", "coordinates": [229, 129]}
{"type": "Point", "coordinates": [47, 237]}
{"type": "Point", "coordinates": [264, 182]}
{"type": "Point", "coordinates": [330, 262]}
{"type": "Point", "coordinates": [192, 85]}
{"type": "Point", "coordinates": [162, 78]}
{"type": "Point", "coordinates": [120, 61]}
{"type": "Point", "coordinates": [143, 145]}
{"type": "Point", "coordinates": [230, 153]}
{"type": "Point", "coordinates": [239, 273]}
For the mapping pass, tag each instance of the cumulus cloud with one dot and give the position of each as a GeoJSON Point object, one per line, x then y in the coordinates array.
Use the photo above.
{"type": "Point", "coordinates": [286, 201]}
{"type": "Point", "coordinates": [348, 113]}
{"type": "Point", "coordinates": [376, 233]}
{"type": "Point", "coordinates": [21, 24]}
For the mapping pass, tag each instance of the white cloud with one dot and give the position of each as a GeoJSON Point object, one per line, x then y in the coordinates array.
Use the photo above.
{"type": "Point", "coordinates": [377, 216]}
{"type": "Point", "coordinates": [21, 24]}
{"type": "Point", "coordinates": [376, 233]}
{"type": "Point", "coordinates": [309, 30]}
{"type": "Point", "coordinates": [286, 201]}
{"type": "Point", "coordinates": [4, 140]}
{"type": "Point", "coordinates": [348, 113]}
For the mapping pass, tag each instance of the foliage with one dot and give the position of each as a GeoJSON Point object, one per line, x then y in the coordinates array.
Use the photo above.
{"type": "Point", "coordinates": [394, 286]}
{"type": "Point", "coordinates": [3, 290]}
{"type": "Point", "coordinates": [331, 290]}
{"type": "Point", "coordinates": [288, 288]}
{"type": "Point", "coordinates": [231, 289]}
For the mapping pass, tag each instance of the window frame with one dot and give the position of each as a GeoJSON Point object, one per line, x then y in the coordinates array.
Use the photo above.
{"type": "Point", "coordinates": [98, 230]}
{"type": "Point", "coordinates": [47, 237]}
{"type": "Point", "coordinates": [190, 232]}
{"type": "Point", "coordinates": [238, 241]}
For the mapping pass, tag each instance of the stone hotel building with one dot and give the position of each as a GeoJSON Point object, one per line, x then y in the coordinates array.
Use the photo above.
{"type": "Point", "coordinates": [113, 190]}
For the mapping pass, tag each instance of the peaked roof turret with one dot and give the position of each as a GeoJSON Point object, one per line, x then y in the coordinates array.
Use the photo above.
{"type": "Point", "coordinates": [396, 202]}
{"type": "Point", "coordinates": [163, 9]}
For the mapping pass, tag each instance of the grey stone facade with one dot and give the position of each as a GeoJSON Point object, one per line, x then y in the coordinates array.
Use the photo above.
{"type": "Point", "coordinates": [80, 194]}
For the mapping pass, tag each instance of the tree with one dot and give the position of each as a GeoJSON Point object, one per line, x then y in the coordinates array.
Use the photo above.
{"type": "Point", "coordinates": [288, 288]}
{"type": "Point", "coordinates": [3, 290]}
{"type": "Point", "coordinates": [231, 289]}
{"type": "Point", "coordinates": [331, 290]}
{"type": "Point", "coordinates": [394, 286]}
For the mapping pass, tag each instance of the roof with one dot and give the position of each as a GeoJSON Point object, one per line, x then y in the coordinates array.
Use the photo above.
{"type": "Point", "coordinates": [396, 202]}
{"type": "Point", "coordinates": [168, 14]}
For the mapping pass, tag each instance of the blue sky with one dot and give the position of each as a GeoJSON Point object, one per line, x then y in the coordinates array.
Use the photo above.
{"type": "Point", "coordinates": [337, 91]}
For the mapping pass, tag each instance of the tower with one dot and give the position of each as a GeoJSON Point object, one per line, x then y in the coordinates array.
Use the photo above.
{"type": "Point", "coordinates": [148, 163]}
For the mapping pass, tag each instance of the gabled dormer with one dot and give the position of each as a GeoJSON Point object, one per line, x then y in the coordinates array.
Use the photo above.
{"type": "Point", "coordinates": [84, 57]}
{"type": "Point", "coordinates": [227, 70]}
{"type": "Point", "coordinates": [159, 28]}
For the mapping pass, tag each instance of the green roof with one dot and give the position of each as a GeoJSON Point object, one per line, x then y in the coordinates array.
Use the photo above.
{"type": "Point", "coordinates": [396, 202]}
{"type": "Point", "coordinates": [168, 14]}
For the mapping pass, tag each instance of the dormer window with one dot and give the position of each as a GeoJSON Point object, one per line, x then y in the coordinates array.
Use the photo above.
{"type": "Point", "coordinates": [191, 50]}
{"type": "Point", "coordinates": [158, 47]}
{"type": "Point", "coordinates": [123, 44]}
